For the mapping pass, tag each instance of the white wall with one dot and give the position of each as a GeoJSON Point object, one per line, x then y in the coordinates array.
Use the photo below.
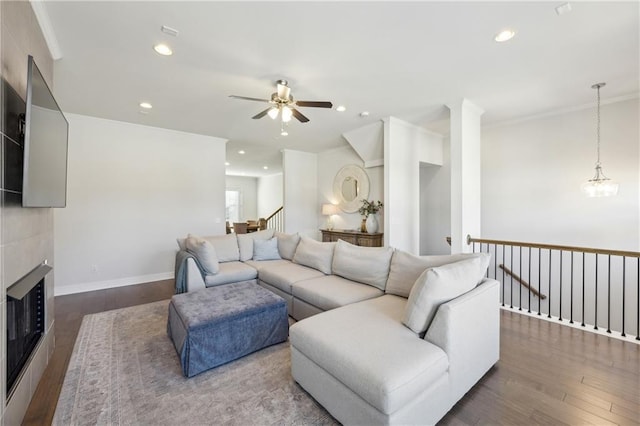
{"type": "Point", "coordinates": [248, 187]}
{"type": "Point", "coordinates": [435, 205]}
{"type": "Point", "coordinates": [269, 194]}
{"type": "Point", "coordinates": [131, 191]}
{"type": "Point", "coordinates": [405, 147]}
{"type": "Point", "coordinates": [300, 192]}
{"type": "Point", "coordinates": [532, 172]}
{"type": "Point", "coordinates": [329, 164]}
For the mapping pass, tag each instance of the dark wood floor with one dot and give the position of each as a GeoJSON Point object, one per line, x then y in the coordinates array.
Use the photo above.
{"type": "Point", "coordinates": [547, 374]}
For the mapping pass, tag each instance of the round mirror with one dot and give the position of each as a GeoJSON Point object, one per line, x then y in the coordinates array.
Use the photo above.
{"type": "Point", "coordinates": [350, 187]}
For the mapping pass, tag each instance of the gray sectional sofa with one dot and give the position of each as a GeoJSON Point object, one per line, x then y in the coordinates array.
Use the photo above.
{"type": "Point", "coordinates": [383, 337]}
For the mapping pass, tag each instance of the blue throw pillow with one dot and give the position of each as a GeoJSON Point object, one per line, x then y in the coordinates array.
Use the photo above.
{"type": "Point", "coordinates": [266, 249]}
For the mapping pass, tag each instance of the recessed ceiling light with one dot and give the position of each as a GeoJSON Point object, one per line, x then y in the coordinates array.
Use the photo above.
{"type": "Point", "coordinates": [241, 152]}
{"type": "Point", "coordinates": [504, 35]}
{"type": "Point", "coordinates": [146, 105]}
{"type": "Point", "coordinates": [341, 108]}
{"type": "Point", "coordinates": [163, 49]}
{"type": "Point", "coordinates": [226, 163]}
{"type": "Point", "coordinates": [364, 114]}
{"type": "Point", "coordinates": [266, 167]}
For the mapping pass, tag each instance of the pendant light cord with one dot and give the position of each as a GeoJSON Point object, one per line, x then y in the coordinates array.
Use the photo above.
{"type": "Point", "coordinates": [598, 127]}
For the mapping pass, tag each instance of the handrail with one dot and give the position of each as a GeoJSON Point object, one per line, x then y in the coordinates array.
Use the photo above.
{"type": "Point", "coordinates": [554, 247]}
{"type": "Point", "coordinates": [275, 213]}
{"type": "Point", "coordinates": [522, 282]}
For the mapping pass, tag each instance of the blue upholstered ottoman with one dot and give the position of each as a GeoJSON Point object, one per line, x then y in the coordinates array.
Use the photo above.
{"type": "Point", "coordinates": [213, 326]}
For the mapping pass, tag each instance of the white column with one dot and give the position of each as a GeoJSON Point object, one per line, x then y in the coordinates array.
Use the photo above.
{"type": "Point", "coordinates": [300, 192]}
{"type": "Point", "coordinates": [465, 173]}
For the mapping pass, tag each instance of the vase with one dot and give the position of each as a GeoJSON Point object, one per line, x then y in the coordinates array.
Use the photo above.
{"type": "Point", "coordinates": [363, 225]}
{"type": "Point", "coordinates": [372, 223]}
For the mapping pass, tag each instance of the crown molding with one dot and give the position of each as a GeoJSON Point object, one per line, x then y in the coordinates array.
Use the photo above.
{"type": "Point", "coordinates": [42, 17]}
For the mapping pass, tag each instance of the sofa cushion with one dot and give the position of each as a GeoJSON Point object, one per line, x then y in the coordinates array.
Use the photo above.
{"type": "Point", "coordinates": [283, 275]}
{"type": "Point", "coordinates": [266, 249]}
{"type": "Point", "coordinates": [314, 254]}
{"type": "Point", "coordinates": [406, 268]}
{"type": "Point", "coordinates": [366, 347]}
{"type": "Point", "coordinates": [368, 265]}
{"type": "Point", "coordinates": [331, 291]}
{"type": "Point", "coordinates": [231, 272]}
{"type": "Point", "coordinates": [439, 285]}
{"type": "Point", "coordinates": [226, 247]}
{"type": "Point", "coordinates": [261, 264]}
{"type": "Point", "coordinates": [245, 242]}
{"type": "Point", "coordinates": [204, 252]}
{"type": "Point", "coordinates": [287, 244]}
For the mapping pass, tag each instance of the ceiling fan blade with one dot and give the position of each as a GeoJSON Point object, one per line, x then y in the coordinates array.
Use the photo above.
{"type": "Point", "coordinates": [261, 114]}
{"type": "Point", "coordinates": [297, 114]}
{"type": "Point", "coordinates": [317, 104]}
{"type": "Point", "coordinates": [249, 99]}
{"type": "Point", "coordinates": [284, 91]}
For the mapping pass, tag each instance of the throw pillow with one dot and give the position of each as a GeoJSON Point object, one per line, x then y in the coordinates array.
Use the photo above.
{"type": "Point", "coordinates": [226, 247]}
{"type": "Point", "coordinates": [406, 268]}
{"type": "Point", "coordinates": [245, 242]}
{"type": "Point", "coordinates": [314, 254]}
{"type": "Point", "coordinates": [367, 265]}
{"type": "Point", "coordinates": [439, 285]}
{"type": "Point", "coordinates": [204, 252]}
{"type": "Point", "coordinates": [287, 244]}
{"type": "Point", "coordinates": [266, 249]}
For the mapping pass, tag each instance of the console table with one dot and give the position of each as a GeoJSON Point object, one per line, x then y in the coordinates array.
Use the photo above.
{"type": "Point", "coordinates": [354, 237]}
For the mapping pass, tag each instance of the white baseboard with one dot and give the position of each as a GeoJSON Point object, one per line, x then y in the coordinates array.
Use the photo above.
{"type": "Point", "coordinates": [120, 282]}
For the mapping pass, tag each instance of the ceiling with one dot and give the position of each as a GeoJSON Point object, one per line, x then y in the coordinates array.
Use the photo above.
{"type": "Point", "coordinates": [388, 58]}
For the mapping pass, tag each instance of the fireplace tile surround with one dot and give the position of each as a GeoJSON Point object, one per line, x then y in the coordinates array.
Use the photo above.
{"type": "Point", "coordinates": [26, 234]}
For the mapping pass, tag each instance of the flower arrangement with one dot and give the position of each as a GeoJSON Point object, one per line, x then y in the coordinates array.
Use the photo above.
{"type": "Point", "coordinates": [369, 207]}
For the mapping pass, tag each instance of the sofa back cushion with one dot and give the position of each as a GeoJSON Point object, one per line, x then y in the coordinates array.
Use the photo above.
{"type": "Point", "coordinates": [266, 249]}
{"type": "Point", "coordinates": [367, 265]}
{"type": "Point", "coordinates": [245, 242]}
{"type": "Point", "coordinates": [226, 247]}
{"type": "Point", "coordinates": [314, 254]}
{"type": "Point", "coordinates": [439, 285]}
{"type": "Point", "coordinates": [204, 252]}
{"type": "Point", "coordinates": [287, 244]}
{"type": "Point", "coordinates": [406, 268]}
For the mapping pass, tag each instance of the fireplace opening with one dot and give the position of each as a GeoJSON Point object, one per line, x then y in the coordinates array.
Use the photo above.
{"type": "Point", "coordinates": [25, 321]}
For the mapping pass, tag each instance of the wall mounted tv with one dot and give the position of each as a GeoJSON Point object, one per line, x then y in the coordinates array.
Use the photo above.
{"type": "Point", "coordinates": [46, 134]}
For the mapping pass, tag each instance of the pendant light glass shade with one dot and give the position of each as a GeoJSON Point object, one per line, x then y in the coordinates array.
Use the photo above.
{"type": "Point", "coordinates": [286, 114]}
{"type": "Point", "coordinates": [273, 113]}
{"type": "Point", "coordinates": [599, 185]}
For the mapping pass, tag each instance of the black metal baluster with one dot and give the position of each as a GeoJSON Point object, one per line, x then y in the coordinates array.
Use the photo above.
{"type": "Point", "coordinates": [624, 287]}
{"type": "Point", "coordinates": [560, 306]}
{"type": "Point", "coordinates": [539, 274]}
{"type": "Point", "coordinates": [609, 294]}
{"type": "Point", "coordinates": [503, 275]}
{"type": "Point", "coordinates": [571, 315]}
{"type": "Point", "coordinates": [595, 327]}
{"type": "Point", "coordinates": [529, 304]}
{"type": "Point", "coordinates": [582, 289]}
{"type": "Point", "coordinates": [520, 273]}
{"type": "Point", "coordinates": [511, 275]}
{"type": "Point", "coordinates": [549, 313]}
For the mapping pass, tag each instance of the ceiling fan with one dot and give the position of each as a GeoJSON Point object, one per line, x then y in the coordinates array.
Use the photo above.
{"type": "Point", "coordinates": [282, 103]}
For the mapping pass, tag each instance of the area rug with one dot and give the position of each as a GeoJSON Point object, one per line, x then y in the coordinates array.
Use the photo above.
{"type": "Point", "coordinates": [125, 370]}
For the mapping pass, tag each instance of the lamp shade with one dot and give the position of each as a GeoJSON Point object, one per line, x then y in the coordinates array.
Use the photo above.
{"type": "Point", "coordinates": [329, 209]}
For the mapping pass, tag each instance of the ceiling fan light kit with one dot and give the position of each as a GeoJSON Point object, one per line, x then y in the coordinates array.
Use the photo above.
{"type": "Point", "coordinates": [283, 104]}
{"type": "Point", "coordinates": [599, 185]}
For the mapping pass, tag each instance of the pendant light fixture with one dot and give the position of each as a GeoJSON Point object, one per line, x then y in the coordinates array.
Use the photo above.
{"type": "Point", "coordinates": [599, 185]}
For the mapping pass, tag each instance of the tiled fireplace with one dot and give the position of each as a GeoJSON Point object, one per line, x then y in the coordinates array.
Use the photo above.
{"type": "Point", "coordinates": [26, 234]}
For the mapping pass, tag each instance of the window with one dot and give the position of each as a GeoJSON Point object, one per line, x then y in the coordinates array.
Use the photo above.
{"type": "Point", "coordinates": [233, 206]}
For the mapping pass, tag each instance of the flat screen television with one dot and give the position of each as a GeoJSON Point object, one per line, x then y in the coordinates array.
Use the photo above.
{"type": "Point", "coordinates": [46, 135]}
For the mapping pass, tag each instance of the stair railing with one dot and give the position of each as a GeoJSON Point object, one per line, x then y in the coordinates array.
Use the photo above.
{"type": "Point", "coordinates": [276, 220]}
{"type": "Point", "coordinates": [596, 288]}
